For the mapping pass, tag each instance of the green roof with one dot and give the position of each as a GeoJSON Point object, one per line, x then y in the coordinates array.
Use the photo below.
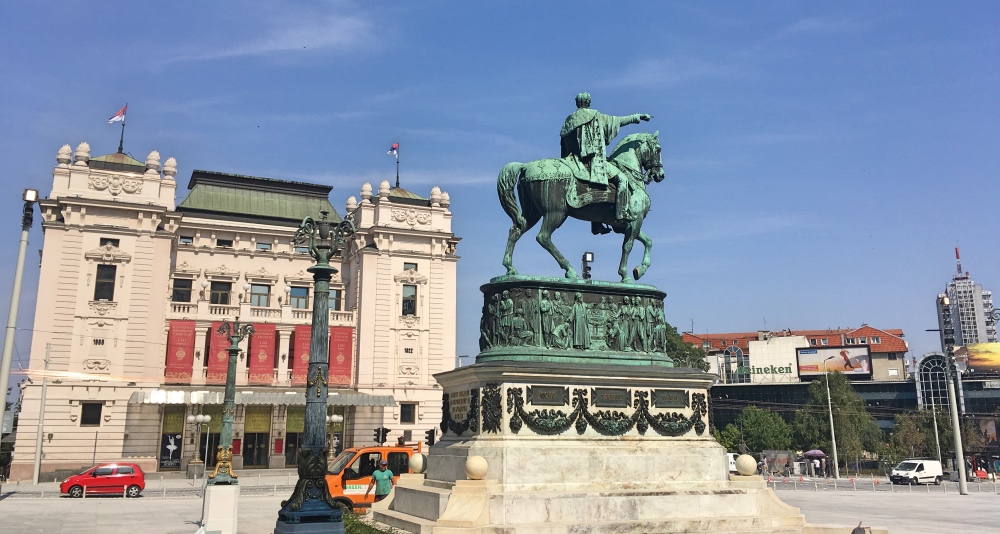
{"type": "Point", "coordinates": [117, 162]}
{"type": "Point", "coordinates": [399, 192]}
{"type": "Point", "coordinates": [252, 197]}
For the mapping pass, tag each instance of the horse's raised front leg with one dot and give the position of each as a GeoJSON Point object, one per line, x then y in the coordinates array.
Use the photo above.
{"type": "Point", "coordinates": [551, 221]}
{"type": "Point", "coordinates": [647, 243]}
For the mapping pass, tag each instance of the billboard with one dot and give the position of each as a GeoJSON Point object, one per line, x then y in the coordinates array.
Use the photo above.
{"type": "Point", "coordinates": [982, 358]}
{"type": "Point", "coordinates": [855, 360]}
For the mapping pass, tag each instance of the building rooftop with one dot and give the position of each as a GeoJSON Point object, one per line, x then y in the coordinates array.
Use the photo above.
{"type": "Point", "coordinates": [890, 340]}
{"type": "Point", "coordinates": [253, 197]}
{"type": "Point", "coordinates": [117, 162]}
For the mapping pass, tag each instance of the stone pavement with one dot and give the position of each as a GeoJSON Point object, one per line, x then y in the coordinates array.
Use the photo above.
{"type": "Point", "coordinates": [24, 512]}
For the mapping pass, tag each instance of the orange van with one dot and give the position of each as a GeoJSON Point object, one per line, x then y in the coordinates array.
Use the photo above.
{"type": "Point", "coordinates": [350, 473]}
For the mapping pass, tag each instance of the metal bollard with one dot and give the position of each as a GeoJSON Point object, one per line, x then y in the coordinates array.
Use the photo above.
{"type": "Point", "coordinates": [258, 479]}
{"type": "Point", "coordinates": [855, 484]}
{"type": "Point", "coordinates": [164, 492]}
{"type": "Point", "coordinates": [274, 489]}
{"type": "Point", "coordinates": [43, 493]}
{"type": "Point", "coordinates": [124, 492]}
{"type": "Point", "coordinates": [85, 492]}
{"type": "Point", "coordinates": [289, 481]}
{"type": "Point", "coordinates": [795, 485]}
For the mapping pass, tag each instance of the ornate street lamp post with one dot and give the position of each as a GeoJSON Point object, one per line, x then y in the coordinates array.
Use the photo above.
{"type": "Point", "coordinates": [223, 473]}
{"type": "Point", "coordinates": [311, 500]}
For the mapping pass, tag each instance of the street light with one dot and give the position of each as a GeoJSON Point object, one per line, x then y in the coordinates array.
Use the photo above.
{"type": "Point", "coordinates": [833, 434]}
{"type": "Point", "coordinates": [333, 419]}
{"type": "Point", "coordinates": [311, 498]}
{"type": "Point", "coordinates": [223, 473]}
{"type": "Point", "coordinates": [201, 420]}
{"type": "Point", "coordinates": [950, 374]}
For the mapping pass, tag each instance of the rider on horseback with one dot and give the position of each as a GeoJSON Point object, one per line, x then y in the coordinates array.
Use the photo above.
{"type": "Point", "coordinates": [585, 135]}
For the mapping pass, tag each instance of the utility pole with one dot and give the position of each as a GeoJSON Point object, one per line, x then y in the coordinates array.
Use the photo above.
{"type": "Point", "coordinates": [937, 438]}
{"type": "Point", "coordinates": [833, 434]}
{"type": "Point", "coordinates": [963, 488]}
{"type": "Point", "coordinates": [41, 418]}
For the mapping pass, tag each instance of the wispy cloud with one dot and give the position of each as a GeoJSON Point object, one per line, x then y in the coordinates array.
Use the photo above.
{"type": "Point", "coordinates": [673, 71]}
{"type": "Point", "coordinates": [822, 25]}
{"type": "Point", "coordinates": [305, 31]}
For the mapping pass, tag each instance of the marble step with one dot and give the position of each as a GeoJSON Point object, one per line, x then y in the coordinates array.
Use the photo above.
{"type": "Point", "coordinates": [404, 522]}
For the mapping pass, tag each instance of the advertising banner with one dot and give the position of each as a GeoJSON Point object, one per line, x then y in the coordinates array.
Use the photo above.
{"type": "Point", "coordinates": [852, 361]}
{"type": "Point", "coordinates": [983, 358]}
{"type": "Point", "coordinates": [180, 353]}
{"type": "Point", "coordinates": [300, 361]}
{"type": "Point", "coordinates": [341, 348]}
{"type": "Point", "coordinates": [262, 346]}
{"type": "Point", "coordinates": [218, 357]}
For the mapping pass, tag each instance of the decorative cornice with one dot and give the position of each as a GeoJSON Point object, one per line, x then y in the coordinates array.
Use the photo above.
{"type": "Point", "coordinates": [186, 270]}
{"type": "Point", "coordinates": [102, 307]}
{"type": "Point", "coordinates": [222, 273]}
{"type": "Point", "coordinates": [114, 184]}
{"type": "Point", "coordinates": [411, 216]}
{"type": "Point", "coordinates": [108, 253]}
{"type": "Point", "coordinates": [262, 275]}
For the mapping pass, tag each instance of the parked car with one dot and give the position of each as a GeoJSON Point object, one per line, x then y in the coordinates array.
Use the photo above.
{"type": "Point", "coordinates": [916, 471]}
{"type": "Point", "coordinates": [108, 478]}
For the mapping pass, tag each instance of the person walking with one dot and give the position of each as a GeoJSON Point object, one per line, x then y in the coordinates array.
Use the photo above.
{"type": "Point", "coordinates": [381, 481]}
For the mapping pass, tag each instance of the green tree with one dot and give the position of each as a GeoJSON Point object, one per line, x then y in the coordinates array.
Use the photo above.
{"type": "Point", "coordinates": [856, 428]}
{"type": "Point", "coordinates": [684, 354]}
{"type": "Point", "coordinates": [909, 435]}
{"type": "Point", "coordinates": [764, 430]}
{"type": "Point", "coordinates": [729, 437]}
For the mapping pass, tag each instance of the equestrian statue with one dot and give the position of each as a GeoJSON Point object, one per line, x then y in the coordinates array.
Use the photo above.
{"type": "Point", "coordinates": [583, 183]}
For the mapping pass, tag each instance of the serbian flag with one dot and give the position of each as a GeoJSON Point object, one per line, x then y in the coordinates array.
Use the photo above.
{"type": "Point", "coordinates": [394, 149]}
{"type": "Point", "coordinates": [118, 117]}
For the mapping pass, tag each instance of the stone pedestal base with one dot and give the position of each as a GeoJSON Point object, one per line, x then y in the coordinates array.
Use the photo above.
{"type": "Point", "coordinates": [582, 449]}
{"type": "Point", "coordinates": [221, 507]}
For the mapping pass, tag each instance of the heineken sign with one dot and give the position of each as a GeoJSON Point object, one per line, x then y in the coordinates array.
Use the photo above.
{"type": "Point", "coordinates": [766, 370]}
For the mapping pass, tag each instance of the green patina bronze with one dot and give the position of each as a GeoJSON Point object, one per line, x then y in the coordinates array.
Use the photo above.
{"type": "Point", "coordinates": [610, 192]}
{"type": "Point", "coordinates": [557, 320]}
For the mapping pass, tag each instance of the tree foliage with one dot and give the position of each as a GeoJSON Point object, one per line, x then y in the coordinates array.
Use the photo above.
{"type": "Point", "coordinates": [729, 437]}
{"type": "Point", "coordinates": [685, 354]}
{"type": "Point", "coordinates": [855, 428]}
{"type": "Point", "coordinates": [764, 430]}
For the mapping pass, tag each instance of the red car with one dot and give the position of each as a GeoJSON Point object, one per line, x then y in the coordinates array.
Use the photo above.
{"type": "Point", "coordinates": [110, 478]}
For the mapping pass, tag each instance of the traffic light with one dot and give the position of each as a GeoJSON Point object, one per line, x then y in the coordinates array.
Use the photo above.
{"type": "Point", "coordinates": [588, 257]}
{"type": "Point", "coordinates": [381, 435]}
{"type": "Point", "coordinates": [430, 437]}
{"type": "Point", "coordinates": [378, 436]}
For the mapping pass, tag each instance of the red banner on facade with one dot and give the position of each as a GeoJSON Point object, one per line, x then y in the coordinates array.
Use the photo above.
{"type": "Point", "coordinates": [218, 357]}
{"type": "Point", "coordinates": [341, 349]}
{"type": "Point", "coordinates": [300, 363]}
{"type": "Point", "coordinates": [180, 353]}
{"type": "Point", "coordinates": [262, 354]}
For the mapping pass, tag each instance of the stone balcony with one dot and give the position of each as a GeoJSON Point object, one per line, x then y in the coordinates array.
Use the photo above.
{"type": "Point", "coordinates": [202, 310]}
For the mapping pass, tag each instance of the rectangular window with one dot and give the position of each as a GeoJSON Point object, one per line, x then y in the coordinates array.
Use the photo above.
{"type": "Point", "coordinates": [409, 266]}
{"type": "Point", "coordinates": [824, 342]}
{"type": "Point", "coordinates": [220, 292]}
{"type": "Point", "coordinates": [90, 413]}
{"type": "Point", "coordinates": [299, 297]}
{"type": "Point", "coordinates": [409, 300]}
{"type": "Point", "coordinates": [109, 241]}
{"type": "Point", "coordinates": [812, 342]}
{"type": "Point", "coordinates": [185, 240]}
{"type": "Point", "coordinates": [260, 295]}
{"type": "Point", "coordinates": [104, 289]}
{"type": "Point", "coordinates": [224, 243]}
{"type": "Point", "coordinates": [862, 340]}
{"type": "Point", "coordinates": [336, 299]}
{"type": "Point", "coordinates": [893, 372]}
{"type": "Point", "coordinates": [706, 344]}
{"type": "Point", "coordinates": [407, 412]}
{"type": "Point", "coordinates": [182, 290]}
{"type": "Point", "coordinates": [301, 249]}
{"type": "Point", "coordinates": [850, 341]}
{"type": "Point", "coordinates": [893, 356]}
{"type": "Point", "coordinates": [263, 246]}
{"type": "Point", "coordinates": [876, 340]}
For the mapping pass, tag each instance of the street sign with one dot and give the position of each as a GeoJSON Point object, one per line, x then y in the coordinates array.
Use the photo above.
{"type": "Point", "coordinates": [8, 423]}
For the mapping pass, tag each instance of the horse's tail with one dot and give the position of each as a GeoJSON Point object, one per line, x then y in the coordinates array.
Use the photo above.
{"type": "Point", "coordinates": [506, 186]}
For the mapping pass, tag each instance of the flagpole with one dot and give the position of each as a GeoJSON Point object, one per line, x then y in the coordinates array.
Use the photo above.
{"type": "Point", "coordinates": [397, 168]}
{"type": "Point", "coordinates": [122, 138]}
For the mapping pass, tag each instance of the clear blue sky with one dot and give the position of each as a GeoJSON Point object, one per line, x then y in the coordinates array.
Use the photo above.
{"type": "Point", "coordinates": [822, 158]}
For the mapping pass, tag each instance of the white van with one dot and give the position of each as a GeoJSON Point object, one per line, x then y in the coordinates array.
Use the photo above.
{"type": "Point", "coordinates": [917, 471]}
{"type": "Point", "coordinates": [732, 461]}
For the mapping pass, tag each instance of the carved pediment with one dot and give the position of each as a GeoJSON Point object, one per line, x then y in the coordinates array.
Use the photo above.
{"type": "Point", "coordinates": [262, 275]}
{"type": "Point", "coordinates": [411, 216]}
{"type": "Point", "coordinates": [222, 273]}
{"type": "Point", "coordinates": [299, 278]}
{"type": "Point", "coordinates": [185, 270]}
{"type": "Point", "coordinates": [108, 253]}
{"type": "Point", "coordinates": [410, 276]}
{"type": "Point", "coordinates": [114, 184]}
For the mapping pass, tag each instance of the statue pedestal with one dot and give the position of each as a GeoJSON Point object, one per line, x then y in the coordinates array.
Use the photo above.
{"type": "Point", "coordinates": [221, 507]}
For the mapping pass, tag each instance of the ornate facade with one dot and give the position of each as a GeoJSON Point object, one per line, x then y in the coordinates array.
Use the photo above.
{"type": "Point", "coordinates": [134, 287]}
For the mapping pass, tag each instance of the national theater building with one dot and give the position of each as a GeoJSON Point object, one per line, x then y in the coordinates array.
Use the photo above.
{"type": "Point", "coordinates": [133, 288]}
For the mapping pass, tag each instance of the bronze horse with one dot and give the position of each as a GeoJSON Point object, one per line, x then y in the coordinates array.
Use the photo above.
{"type": "Point", "coordinates": [543, 188]}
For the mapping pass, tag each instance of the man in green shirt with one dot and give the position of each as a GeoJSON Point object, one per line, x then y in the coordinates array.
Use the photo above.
{"type": "Point", "coordinates": [382, 480]}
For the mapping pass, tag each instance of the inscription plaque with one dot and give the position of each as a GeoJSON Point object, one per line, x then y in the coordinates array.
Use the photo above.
{"type": "Point", "coordinates": [548, 395]}
{"type": "Point", "coordinates": [459, 408]}
{"type": "Point", "coordinates": [671, 398]}
{"type": "Point", "coordinates": [610, 397]}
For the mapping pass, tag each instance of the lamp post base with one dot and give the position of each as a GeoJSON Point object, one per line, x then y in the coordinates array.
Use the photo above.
{"type": "Point", "coordinates": [223, 474]}
{"type": "Point", "coordinates": [310, 501]}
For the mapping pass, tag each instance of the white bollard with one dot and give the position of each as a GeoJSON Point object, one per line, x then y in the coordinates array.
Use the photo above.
{"type": "Point", "coordinates": [258, 479]}
{"type": "Point", "coordinates": [274, 489]}
{"type": "Point", "coordinates": [164, 492]}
